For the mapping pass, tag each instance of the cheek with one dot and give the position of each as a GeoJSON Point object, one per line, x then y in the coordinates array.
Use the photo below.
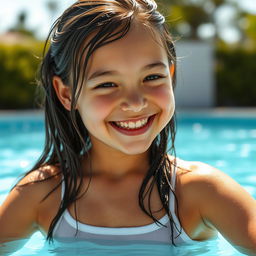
{"type": "Point", "coordinates": [96, 109]}
{"type": "Point", "coordinates": [166, 103]}
{"type": "Point", "coordinates": [164, 97]}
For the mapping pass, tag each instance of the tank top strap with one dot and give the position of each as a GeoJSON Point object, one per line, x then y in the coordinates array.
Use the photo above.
{"type": "Point", "coordinates": [58, 224]}
{"type": "Point", "coordinates": [171, 195]}
{"type": "Point", "coordinates": [62, 187]}
{"type": "Point", "coordinates": [183, 235]}
{"type": "Point", "coordinates": [173, 176]}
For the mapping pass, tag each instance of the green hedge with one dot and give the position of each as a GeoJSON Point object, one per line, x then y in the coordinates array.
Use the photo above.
{"type": "Point", "coordinates": [18, 68]}
{"type": "Point", "coordinates": [235, 77]}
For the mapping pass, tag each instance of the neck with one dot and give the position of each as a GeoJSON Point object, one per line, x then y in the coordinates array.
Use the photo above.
{"type": "Point", "coordinates": [115, 164]}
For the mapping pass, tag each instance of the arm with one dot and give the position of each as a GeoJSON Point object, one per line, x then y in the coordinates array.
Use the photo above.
{"type": "Point", "coordinates": [18, 213]}
{"type": "Point", "coordinates": [226, 206]}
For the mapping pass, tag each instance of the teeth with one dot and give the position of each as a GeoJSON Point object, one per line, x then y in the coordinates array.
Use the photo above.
{"type": "Point", "coordinates": [132, 125]}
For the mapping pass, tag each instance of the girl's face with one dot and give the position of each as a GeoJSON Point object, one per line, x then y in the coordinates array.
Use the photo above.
{"type": "Point", "coordinates": [127, 97]}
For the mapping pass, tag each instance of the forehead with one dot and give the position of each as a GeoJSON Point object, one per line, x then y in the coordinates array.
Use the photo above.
{"type": "Point", "coordinates": [138, 47]}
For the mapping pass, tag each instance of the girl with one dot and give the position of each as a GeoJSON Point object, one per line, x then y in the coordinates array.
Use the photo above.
{"type": "Point", "coordinates": [108, 78]}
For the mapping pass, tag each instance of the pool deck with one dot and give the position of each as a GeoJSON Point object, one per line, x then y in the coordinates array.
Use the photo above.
{"type": "Point", "coordinates": [218, 112]}
{"type": "Point", "coordinates": [17, 111]}
{"type": "Point", "coordinates": [221, 111]}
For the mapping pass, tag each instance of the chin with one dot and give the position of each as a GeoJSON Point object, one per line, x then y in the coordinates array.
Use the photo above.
{"type": "Point", "coordinates": [135, 149]}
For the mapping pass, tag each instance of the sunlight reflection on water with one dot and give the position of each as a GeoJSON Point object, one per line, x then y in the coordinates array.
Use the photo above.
{"type": "Point", "coordinates": [228, 145]}
{"type": "Point", "coordinates": [37, 246]}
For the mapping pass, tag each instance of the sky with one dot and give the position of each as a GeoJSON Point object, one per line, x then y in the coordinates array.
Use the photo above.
{"type": "Point", "coordinates": [40, 19]}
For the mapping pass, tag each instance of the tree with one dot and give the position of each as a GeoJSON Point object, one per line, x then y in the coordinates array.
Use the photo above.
{"type": "Point", "coordinates": [52, 7]}
{"type": "Point", "coordinates": [20, 26]}
{"type": "Point", "coordinates": [247, 25]}
{"type": "Point", "coordinates": [189, 17]}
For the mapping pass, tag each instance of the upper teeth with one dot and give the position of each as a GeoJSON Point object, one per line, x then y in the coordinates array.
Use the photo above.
{"type": "Point", "coordinates": [132, 125]}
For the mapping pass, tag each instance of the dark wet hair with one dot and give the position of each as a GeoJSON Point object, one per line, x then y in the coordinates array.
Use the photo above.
{"type": "Point", "coordinates": [78, 32]}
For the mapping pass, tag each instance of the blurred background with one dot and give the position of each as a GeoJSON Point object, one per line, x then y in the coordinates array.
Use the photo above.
{"type": "Point", "coordinates": [215, 41]}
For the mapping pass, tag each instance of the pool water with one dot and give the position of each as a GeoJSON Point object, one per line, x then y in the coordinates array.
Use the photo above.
{"type": "Point", "coordinates": [227, 142]}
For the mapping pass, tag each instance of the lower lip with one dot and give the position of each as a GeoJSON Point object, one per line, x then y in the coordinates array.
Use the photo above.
{"type": "Point", "coordinates": [134, 132]}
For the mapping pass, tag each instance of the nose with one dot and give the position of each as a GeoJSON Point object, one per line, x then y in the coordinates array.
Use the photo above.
{"type": "Point", "coordinates": [134, 102]}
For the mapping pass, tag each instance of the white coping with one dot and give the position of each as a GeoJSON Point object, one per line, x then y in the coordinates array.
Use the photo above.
{"type": "Point", "coordinates": [217, 111]}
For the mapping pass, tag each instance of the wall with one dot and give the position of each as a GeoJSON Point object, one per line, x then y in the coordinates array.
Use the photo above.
{"type": "Point", "coordinates": [195, 75]}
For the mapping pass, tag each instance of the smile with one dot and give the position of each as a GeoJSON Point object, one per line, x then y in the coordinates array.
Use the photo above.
{"type": "Point", "coordinates": [132, 124]}
{"type": "Point", "coordinates": [133, 127]}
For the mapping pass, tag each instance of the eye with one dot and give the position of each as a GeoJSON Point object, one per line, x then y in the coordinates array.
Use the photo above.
{"type": "Point", "coordinates": [105, 85]}
{"type": "Point", "coordinates": [153, 77]}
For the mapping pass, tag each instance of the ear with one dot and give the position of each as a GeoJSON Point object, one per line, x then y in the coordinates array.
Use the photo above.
{"type": "Point", "coordinates": [172, 69]}
{"type": "Point", "coordinates": [63, 92]}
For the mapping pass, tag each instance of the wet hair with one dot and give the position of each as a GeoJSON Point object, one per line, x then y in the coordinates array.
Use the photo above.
{"type": "Point", "coordinates": [83, 28]}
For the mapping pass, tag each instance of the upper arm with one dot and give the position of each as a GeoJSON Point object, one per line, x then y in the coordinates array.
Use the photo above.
{"type": "Point", "coordinates": [19, 212]}
{"type": "Point", "coordinates": [228, 207]}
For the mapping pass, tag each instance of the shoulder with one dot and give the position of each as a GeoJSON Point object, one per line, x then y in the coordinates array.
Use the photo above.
{"type": "Point", "coordinates": [217, 196]}
{"type": "Point", "coordinates": [41, 174]}
{"type": "Point", "coordinates": [198, 175]}
{"type": "Point", "coordinates": [206, 182]}
{"type": "Point", "coordinates": [209, 183]}
{"type": "Point", "coordinates": [36, 184]}
{"type": "Point", "coordinates": [39, 182]}
{"type": "Point", "coordinates": [19, 211]}
{"type": "Point", "coordinates": [206, 188]}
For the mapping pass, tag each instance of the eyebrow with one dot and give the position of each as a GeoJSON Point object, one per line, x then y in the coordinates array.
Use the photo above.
{"type": "Point", "coordinates": [102, 72]}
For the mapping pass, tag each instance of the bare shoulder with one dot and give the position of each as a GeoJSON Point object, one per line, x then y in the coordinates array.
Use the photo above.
{"type": "Point", "coordinates": [41, 174]}
{"type": "Point", "coordinates": [203, 180]}
{"type": "Point", "coordinates": [19, 211]}
{"type": "Point", "coordinates": [36, 183]}
{"type": "Point", "coordinates": [205, 177]}
{"type": "Point", "coordinates": [195, 172]}
{"type": "Point", "coordinates": [222, 202]}
{"type": "Point", "coordinates": [39, 182]}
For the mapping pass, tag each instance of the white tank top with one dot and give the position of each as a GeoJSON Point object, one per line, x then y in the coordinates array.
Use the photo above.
{"type": "Point", "coordinates": [67, 227]}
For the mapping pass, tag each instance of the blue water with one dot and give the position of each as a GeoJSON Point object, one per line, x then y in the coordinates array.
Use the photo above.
{"type": "Point", "coordinates": [227, 142]}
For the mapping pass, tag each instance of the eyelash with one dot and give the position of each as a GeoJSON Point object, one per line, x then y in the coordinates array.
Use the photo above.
{"type": "Point", "coordinates": [102, 86]}
{"type": "Point", "coordinates": [158, 77]}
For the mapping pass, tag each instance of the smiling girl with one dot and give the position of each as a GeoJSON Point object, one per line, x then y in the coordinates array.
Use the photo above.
{"type": "Point", "coordinates": [108, 77]}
